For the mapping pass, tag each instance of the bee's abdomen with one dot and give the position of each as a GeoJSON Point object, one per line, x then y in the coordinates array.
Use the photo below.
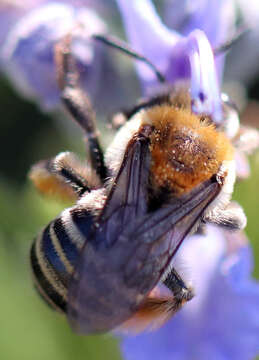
{"type": "Point", "coordinates": [55, 252]}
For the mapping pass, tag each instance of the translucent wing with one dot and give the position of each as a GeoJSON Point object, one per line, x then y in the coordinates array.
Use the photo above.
{"type": "Point", "coordinates": [127, 199]}
{"type": "Point", "coordinates": [158, 236]}
{"type": "Point", "coordinates": [126, 202]}
{"type": "Point", "coordinates": [131, 248]}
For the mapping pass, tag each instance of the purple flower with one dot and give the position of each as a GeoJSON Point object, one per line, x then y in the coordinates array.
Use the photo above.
{"type": "Point", "coordinates": [181, 56]}
{"type": "Point", "coordinates": [11, 11]}
{"type": "Point", "coordinates": [216, 18]}
{"type": "Point", "coordinates": [28, 51]}
{"type": "Point", "coordinates": [222, 321]}
{"type": "Point", "coordinates": [242, 62]}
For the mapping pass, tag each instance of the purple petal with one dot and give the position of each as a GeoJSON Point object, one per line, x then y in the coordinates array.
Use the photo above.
{"type": "Point", "coordinates": [177, 57]}
{"type": "Point", "coordinates": [222, 321]}
{"type": "Point", "coordinates": [10, 12]}
{"type": "Point", "coordinates": [242, 165]}
{"type": "Point", "coordinates": [204, 89]}
{"type": "Point", "coordinates": [216, 18]}
{"type": "Point", "coordinates": [148, 35]}
{"type": "Point", "coordinates": [242, 61]}
{"type": "Point", "coordinates": [28, 53]}
{"type": "Point", "coordinates": [192, 58]}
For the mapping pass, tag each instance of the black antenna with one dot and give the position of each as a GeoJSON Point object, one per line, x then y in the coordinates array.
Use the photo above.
{"type": "Point", "coordinates": [123, 47]}
{"type": "Point", "coordinates": [243, 30]}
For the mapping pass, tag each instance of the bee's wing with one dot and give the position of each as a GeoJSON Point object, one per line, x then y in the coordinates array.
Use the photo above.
{"type": "Point", "coordinates": [158, 236]}
{"type": "Point", "coordinates": [112, 281]}
{"type": "Point", "coordinates": [96, 272]}
{"type": "Point", "coordinates": [127, 199]}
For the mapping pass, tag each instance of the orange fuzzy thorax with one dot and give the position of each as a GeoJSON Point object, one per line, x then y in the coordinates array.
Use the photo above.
{"type": "Point", "coordinates": [185, 149]}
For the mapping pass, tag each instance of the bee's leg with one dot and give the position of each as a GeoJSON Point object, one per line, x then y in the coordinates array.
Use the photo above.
{"type": "Point", "coordinates": [78, 103]}
{"type": "Point", "coordinates": [64, 177]}
{"type": "Point", "coordinates": [230, 218]}
{"type": "Point", "coordinates": [158, 307]}
{"type": "Point", "coordinates": [181, 292]}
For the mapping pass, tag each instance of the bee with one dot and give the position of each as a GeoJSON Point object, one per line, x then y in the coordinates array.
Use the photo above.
{"type": "Point", "coordinates": [106, 262]}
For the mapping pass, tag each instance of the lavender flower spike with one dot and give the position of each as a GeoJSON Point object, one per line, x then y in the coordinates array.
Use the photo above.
{"type": "Point", "coordinates": [188, 58]}
{"type": "Point", "coordinates": [154, 40]}
{"type": "Point", "coordinates": [222, 321]}
{"type": "Point", "coordinates": [194, 60]}
{"type": "Point", "coordinates": [11, 11]}
{"type": "Point", "coordinates": [215, 17]}
{"type": "Point", "coordinates": [28, 51]}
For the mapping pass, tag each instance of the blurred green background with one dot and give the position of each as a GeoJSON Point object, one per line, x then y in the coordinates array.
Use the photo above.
{"type": "Point", "coordinates": [29, 329]}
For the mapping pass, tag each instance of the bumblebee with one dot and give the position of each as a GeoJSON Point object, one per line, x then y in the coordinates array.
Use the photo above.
{"type": "Point", "coordinates": [106, 262]}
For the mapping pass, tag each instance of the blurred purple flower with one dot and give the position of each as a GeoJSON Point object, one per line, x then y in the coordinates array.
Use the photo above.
{"type": "Point", "coordinates": [216, 18]}
{"type": "Point", "coordinates": [27, 54]}
{"type": "Point", "coordinates": [242, 61]}
{"type": "Point", "coordinates": [222, 321]}
{"type": "Point", "coordinates": [11, 11]}
{"type": "Point", "coordinates": [181, 56]}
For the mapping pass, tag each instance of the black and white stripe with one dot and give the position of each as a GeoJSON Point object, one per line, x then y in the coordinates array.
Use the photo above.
{"type": "Point", "coordinates": [55, 252]}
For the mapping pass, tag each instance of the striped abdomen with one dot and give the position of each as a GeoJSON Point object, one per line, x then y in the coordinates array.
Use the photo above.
{"type": "Point", "coordinates": [54, 254]}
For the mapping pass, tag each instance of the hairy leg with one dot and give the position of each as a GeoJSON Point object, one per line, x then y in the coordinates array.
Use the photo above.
{"type": "Point", "coordinates": [78, 103]}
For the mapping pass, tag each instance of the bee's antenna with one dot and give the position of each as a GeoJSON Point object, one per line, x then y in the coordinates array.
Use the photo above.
{"type": "Point", "coordinates": [123, 47]}
{"type": "Point", "coordinates": [243, 30]}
